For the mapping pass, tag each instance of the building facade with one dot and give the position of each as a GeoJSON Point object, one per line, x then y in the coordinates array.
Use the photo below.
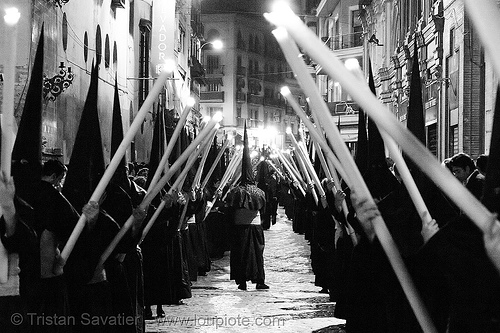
{"type": "Point", "coordinates": [458, 84]}
{"type": "Point", "coordinates": [339, 26]}
{"type": "Point", "coordinates": [119, 37]}
{"type": "Point", "coordinates": [243, 80]}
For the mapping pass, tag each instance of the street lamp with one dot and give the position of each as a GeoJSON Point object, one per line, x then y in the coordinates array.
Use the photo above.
{"type": "Point", "coordinates": [216, 44]}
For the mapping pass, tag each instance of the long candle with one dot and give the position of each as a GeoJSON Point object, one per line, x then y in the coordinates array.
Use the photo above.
{"type": "Point", "coordinates": [276, 169]}
{"type": "Point", "coordinates": [159, 186]}
{"type": "Point", "coordinates": [115, 161]}
{"type": "Point", "coordinates": [291, 168]}
{"type": "Point", "coordinates": [175, 187]}
{"type": "Point", "coordinates": [322, 160]}
{"type": "Point", "coordinates": [314, 132]}
{"type": "Point", "coordinates": [294, 178]}
{"type": "Point", "coordinates": [309, 169]}
{"type": "Point", "coordinates": [312, 171]}
{"type": "Point", "coordinates": [360, 92]}
{"type": "Point", "coordinates": [333, 161]}
{"type": "Point", "coordinates": [303, 168]}
{"type": "Point", "coordinates": [233, 164]}
{"type": "Point", "coordinates": [217, 159]}
{"type": "Point", "coordinates": [231, 168]}
{"type": "Point", "coordinates": [321, 110]}
{"type": "Point", "coordinates": [9, 67]}
{"type": "Point", "coordinates": [197, 178]}
{"type": "Point", "coordinates": [183, 175]}
{"type": "Point", "coordinates": [407, 178]}
{"type": "Point", "coordinates": [163, 162]}
{"type": "Point", "coordinates": [11, 18]}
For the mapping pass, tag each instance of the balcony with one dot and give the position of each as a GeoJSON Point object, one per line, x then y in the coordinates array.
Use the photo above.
{"type": "Point", "coordinates": [255, 99]}
{"type": "Point", "coordinates": [345, 41]}
{"type": "Point", "coordinates": [215, 71]}
{"type": "Point", "coordinates": [343, 108]}
{"type": "Point", "coordinates": [212, 96]}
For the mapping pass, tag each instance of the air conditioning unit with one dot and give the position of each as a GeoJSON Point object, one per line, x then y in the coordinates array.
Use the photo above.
{"type": "Point", "coordinates": [117, 3]}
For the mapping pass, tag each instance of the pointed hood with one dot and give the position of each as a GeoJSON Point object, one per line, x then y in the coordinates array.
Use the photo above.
{"type": "Point", "coordinates": [376, 150]}
{"type": "Point", "coordinates": [415, 121]}
{"type": "Point", "coordinates": [212, 155]}
{"type": "Point", "coordinates": [86, 165]}
{"type": "Point", "coordinates": [117, 134]}
{"type": "Point", "coordinates": [378, 177]}
{"type": "Point", "coordinates": [246, 162]}
{"type": "Point", "coordinates": [415, 115]}
{"type": "Point", "coordinates": [27, 150]}
{"type": "Point", "coordinates": [491, 190]}
{"type": "Point", "coordinates": [157, 146]}
{"type": "Point", "coordinates": [246, 195]}
{"type": "Point", "coordinates": [362, 147]}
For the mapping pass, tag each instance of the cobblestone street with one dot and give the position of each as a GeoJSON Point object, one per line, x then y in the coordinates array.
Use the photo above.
{"type": "Point", "coordinates": [292, 304]}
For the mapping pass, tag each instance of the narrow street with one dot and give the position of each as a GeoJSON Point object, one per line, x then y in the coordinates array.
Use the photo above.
{"type": "Point", "coordinates": [292, 304]}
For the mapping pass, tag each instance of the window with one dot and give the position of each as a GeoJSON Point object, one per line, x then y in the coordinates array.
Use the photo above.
{"type": "Point", "coordinates": [213, 64]}
{"type": "Point", "coordinates": [181, 39]}
{"type": "Point", "coordinates": [432, 138]}
{"type": "Point", "coordinates": [453, 140]}
{"type": "Point", "coordinates": [452, 41]}
{"type": "Point", "coordinates": [254, 118]}
{"type": "Point", "coordinates": [85, 46]}
{"type": "Point", "coordinates": [357, 29]}
{"type": "Point", "coordinates": [115, 55]}
{"type": "Point", "coordinates": [277, 116]}
{"type": "Point", "coordinates": [241, 42]}
{"type": "Point", "coordinates": [98, 45]}
{"type": "Point", "coordinates": [65, 32]}
{"type": "Point", "coordinates": [254, 113]}
{"type": "Point", "coordinates": [144, 28]}
{"type": "Point", "coordinates": [107, 52]}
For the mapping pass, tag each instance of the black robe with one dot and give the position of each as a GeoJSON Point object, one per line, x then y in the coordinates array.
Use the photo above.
{"type": "Point", "coordinates": [166, 276]}
{"type": "Point", "coordinates": [124, 268]}
{"type": "Point", "coordinates": [456, 255]}
{"type": "Point", "coordinates": [54, 213]}
{"type": "Point", "coordinates": [24, 242]}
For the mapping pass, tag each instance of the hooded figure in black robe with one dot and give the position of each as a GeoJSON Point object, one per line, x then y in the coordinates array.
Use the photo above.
{"type": "Point", "coordinates": [247, 247]}
{"type": "Point", "coordinates": [267, 182]}
{"type": "Point", "coordinates": [365, 312]}
{"type": "Point", "coordinates": [26, 171]}
{"type": "Point", "coordinates": [456, 255]}
{"type": "Point", "coordinates": [166, 275]}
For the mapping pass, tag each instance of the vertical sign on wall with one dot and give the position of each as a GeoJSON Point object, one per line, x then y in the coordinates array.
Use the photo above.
{"type": "Point", "coordinates": [163, 31]}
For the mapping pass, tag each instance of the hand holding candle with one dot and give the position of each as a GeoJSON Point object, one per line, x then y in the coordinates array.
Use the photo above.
{"type": "Point", "coordinates": [11, 18]}
{"type": "Point", "coordinates": [289, 20]}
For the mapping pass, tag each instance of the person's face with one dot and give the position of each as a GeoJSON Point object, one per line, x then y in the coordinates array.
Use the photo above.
{"type": "Point", "coordinates": [58, 181]}
{"type": "Point", "coordinates": [460, 173]}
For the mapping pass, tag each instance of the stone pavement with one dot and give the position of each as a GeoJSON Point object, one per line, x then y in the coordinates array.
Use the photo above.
{"type": "Point", "coordinates": [292, 304]}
